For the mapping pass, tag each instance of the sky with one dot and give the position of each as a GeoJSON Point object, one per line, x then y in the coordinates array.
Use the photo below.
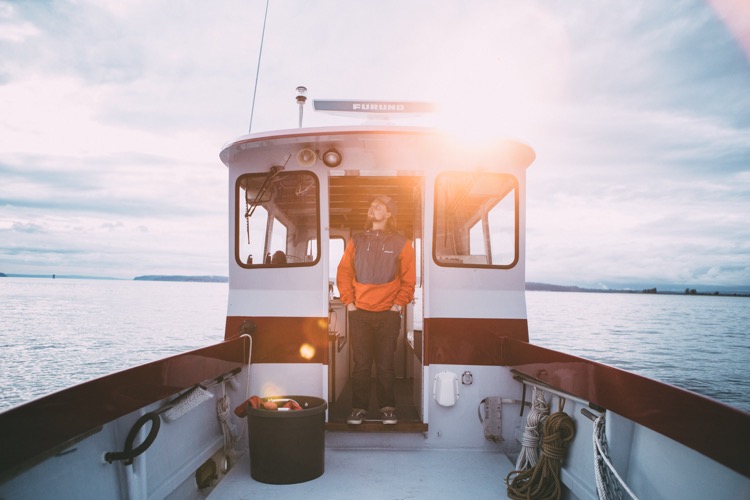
{"type": "Point", "coordinates": [113, 113]}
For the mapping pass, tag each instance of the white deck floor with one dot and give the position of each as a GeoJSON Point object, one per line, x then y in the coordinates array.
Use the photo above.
{"type": "Point", "coordinates": [384, 474]}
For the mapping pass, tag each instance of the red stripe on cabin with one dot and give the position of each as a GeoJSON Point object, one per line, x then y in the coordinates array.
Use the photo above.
{"type": "Point", "coordinates": [281, 339]}
{"type": "Point", "coordinates": [470, 341]}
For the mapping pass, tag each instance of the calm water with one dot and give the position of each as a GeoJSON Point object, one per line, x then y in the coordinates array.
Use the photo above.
{"type": "Point", "coordinates": [56, 333]}
{"type": "Point", "coordinates": [700, 343]}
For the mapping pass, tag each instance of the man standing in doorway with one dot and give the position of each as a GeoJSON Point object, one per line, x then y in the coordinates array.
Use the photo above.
{"type": "Point", "coordinates": [376, 278]}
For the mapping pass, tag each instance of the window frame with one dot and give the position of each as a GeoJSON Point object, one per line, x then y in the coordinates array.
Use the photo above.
{"type": "Point", "coordinates": [271, 219]}
{"type": "Point", "coordinates": [483, 220]}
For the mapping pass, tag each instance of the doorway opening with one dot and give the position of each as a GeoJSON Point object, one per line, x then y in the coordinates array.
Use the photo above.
{"type": "Point", "coordinates": [350, 196]}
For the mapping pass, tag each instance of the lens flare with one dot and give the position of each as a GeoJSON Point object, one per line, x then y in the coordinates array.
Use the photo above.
{"type": "Point", "coordinates": [307, 351]}
{"type": "Point", "coordinates": [270, 389]}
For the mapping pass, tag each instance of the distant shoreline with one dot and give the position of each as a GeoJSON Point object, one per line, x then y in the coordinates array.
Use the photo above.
{"type": "Point", "coordinates": [200, 279]}
{"type": "Point", "coordinates": [155, 277]}
{"type": "Point", "coordinates": [719, 291]}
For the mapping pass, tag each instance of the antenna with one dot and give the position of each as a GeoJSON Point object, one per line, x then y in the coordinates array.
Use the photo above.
{"type": "Point", "coordinates": [257, 71]}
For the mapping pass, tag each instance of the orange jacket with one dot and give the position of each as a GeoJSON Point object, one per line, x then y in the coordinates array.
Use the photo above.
{"type": "Point", "coordinates": [360, 290]}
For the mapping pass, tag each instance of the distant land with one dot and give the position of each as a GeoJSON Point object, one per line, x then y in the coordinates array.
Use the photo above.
{"type": "Point", "coordinates": [734, 291]}
{"type": "Point", "coordinates": [202, 279]}
{"type": "Point", "coordinates": [60, 276]}
{"type": "Point", "coordinates": [663, 289]}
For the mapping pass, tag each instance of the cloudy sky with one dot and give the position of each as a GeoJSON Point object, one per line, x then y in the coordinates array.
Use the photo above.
{"type": "Point", "coordinates": [112, 115]}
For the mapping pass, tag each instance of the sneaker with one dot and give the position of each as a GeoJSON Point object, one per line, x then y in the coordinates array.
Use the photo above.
{"type": "Point", "coordinates": [389, 418]}
{"type": "Point", "coordinates": [356, 416]}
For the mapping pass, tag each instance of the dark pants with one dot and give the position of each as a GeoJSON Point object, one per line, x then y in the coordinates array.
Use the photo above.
{"type": "Point", "coordinates": [374, 336]}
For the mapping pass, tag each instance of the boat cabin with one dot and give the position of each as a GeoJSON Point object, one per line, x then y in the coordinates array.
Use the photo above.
{"type": "Point", "coordinates": [297, 197]}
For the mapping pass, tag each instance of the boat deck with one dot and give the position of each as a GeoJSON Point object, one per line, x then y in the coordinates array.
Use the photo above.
{"type": "Point", "coordinates": [384, 474]}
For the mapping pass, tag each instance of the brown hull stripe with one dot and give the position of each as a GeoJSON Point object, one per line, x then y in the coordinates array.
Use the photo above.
{"type": "Point", "coordinates": [283, 339]}
{"type": "Point", "coordinates": [469, 341]}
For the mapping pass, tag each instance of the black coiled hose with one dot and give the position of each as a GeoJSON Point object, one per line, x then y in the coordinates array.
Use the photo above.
{"type": "Point", "coordinates": [129, 453]}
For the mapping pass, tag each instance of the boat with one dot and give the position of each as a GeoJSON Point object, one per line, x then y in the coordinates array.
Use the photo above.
{"type": "Point", "coordinates": [482, 411]}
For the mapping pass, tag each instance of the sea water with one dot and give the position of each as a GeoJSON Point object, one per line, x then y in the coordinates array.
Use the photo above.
{"type": "Point", "coordinates": [696, 342]}
{"type": "Point", "coordinates": [55, 333]}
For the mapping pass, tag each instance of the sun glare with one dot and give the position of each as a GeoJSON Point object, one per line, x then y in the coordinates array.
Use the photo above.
{"type": "Point", "coordinates": [307, 351]}
{"type": "Point", "coordinates": [271, 389]}
{"type": "Point", "coordinates": [508, 81]}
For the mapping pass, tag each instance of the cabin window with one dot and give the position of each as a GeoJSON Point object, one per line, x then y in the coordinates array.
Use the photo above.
{"type": "Point", "coordinates": [476, 220]}
{"type": "Point", "coordinates": [277, 219]}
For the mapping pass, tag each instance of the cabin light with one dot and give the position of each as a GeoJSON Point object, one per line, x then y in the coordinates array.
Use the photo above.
{"type": "Point", "coordinates": [332, 158]}
{"type": "Point", "coordinates": [306, 157]}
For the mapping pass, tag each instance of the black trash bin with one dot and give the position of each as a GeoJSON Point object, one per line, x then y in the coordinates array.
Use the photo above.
{"type": "Point", "coordinates": [287, 447]}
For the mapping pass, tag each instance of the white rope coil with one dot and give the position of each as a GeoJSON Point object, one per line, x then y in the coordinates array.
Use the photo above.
{"type": "Point", "coordinates": [228, 429]}
{"type": "Point", "coordinates": [608, 481]}
{"type": "Point", "coordinates": [222, 414]}
{"type": "Point", "coordinates": [529, 455]}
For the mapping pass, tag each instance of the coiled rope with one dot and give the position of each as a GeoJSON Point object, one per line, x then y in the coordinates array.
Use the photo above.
{"type": "Point", "coordinates": [228, 430]}
{"type": "Point", "coordinates": [542, 482]}
{"type": "Point", "coordinates": [608, 481]}
{"type": "Point", "coordinates": [222, 414]}
{"type": "Point", "coordinates": [529, 455]}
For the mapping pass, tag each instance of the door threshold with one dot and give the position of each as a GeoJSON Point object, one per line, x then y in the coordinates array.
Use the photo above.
{"type": "Point", "coordinates": [376, 426]}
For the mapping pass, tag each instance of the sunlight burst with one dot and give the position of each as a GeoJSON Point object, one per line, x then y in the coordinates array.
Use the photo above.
{"type": "Point", "coordinates": [307, 351]}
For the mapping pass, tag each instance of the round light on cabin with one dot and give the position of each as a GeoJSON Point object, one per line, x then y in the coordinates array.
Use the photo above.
{"type": "Point", "coordinates": [306, 157]}
{"type": "Point", "coordinates": [332, 158]}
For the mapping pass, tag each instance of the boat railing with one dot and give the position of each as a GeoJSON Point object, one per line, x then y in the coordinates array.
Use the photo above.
{"type": "Point", "coordinates": [54, 424]}
{"type": "Point", "coordinates": [695, 421]}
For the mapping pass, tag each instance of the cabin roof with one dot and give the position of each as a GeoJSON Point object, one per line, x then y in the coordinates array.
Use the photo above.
{"type": "Point", "coordinates": [515, 154]}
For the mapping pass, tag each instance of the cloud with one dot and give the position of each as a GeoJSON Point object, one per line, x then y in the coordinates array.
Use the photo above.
{"type": "Point", "coordinates": [13, 30]}
{"type": "Point", "coordinates": [114, 114]}
{"type": "Point", "coordinates": [661, 229]}
{"type": "Point", "coordinates": [26, 228]}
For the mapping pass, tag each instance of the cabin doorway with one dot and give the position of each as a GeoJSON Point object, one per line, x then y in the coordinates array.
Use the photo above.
{"type": "Point", "coordinates": [350, 196]}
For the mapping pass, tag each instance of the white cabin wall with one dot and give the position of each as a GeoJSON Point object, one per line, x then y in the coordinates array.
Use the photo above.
{"type": "Point", "coordinates": [293, 291]}
{"type": "Point", "coordinates": [448, 425]}
{"type": "Point", "coordinates": [281, 292]}
{"type": "Point", "coordinates": [286, 379]}
{"type": "Point", "coordinates": [452, 292]}
{"type": "Point", "coordinates": [264, 300]}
